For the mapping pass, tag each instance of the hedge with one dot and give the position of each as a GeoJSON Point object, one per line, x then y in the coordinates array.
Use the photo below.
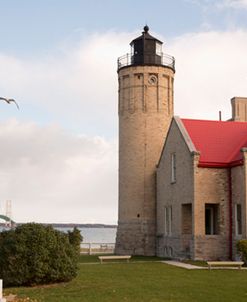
{"type": "Point", "coordinates": [35, 254]}
{"type": "Point", "coordinates": [242, 249]}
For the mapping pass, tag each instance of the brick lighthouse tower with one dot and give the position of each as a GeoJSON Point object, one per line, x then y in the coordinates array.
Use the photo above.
{"type": "Point", "coordinates": [145, 112]}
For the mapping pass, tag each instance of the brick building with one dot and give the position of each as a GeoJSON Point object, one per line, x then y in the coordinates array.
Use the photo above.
{"type": "Point", "coordinates": [201, 188]}
{"type": "Point", "coordinates": [182, 182]}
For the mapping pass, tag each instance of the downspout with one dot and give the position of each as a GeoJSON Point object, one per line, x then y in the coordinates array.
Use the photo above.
{"type": "Point", "coordinates": [230, 210]}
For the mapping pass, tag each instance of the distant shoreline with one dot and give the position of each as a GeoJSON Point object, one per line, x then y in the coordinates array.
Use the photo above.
{"type": "Point", "coordinates": [72, 225]}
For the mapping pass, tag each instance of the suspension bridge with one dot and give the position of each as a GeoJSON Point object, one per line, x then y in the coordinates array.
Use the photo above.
{"type": "Point", "coordinates": [7, 217]}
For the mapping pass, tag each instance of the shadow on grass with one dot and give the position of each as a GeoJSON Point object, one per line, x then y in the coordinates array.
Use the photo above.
{"type": "Point", "coordinates": [95, 259]}
{"type": "Point", "coordinates": [196, 263]}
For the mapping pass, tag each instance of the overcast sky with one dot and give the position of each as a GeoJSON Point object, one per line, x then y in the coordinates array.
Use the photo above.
{"type": "Point", "coordinates": [59, 153]}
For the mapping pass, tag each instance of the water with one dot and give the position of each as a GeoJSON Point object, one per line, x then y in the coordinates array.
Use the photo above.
{"type": "Point", "coordinates": [91, 235]}
{"type": "Point", "coordinates": [100, 235]}
{"type": "Point", "coordinates": [96, 235]}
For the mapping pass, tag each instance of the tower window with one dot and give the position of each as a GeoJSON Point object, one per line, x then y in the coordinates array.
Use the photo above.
{"type": "Point", "coordinates": [238, 219]}
{"type": "Point", "coordinates": [173, 167]}
{"type": "Point", "coordinates": [158, 48]}
{"type": "Point", "coordinates": [132, 50]}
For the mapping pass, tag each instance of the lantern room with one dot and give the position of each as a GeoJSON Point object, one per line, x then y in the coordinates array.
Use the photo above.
{"type": "Point", "coordinates": [146, 49]}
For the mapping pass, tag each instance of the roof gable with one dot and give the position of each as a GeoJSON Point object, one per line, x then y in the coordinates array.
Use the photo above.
{"type": "Point", "coordinates": [176, 122]}
{"type": "Point", "coordinates": [219, 143]}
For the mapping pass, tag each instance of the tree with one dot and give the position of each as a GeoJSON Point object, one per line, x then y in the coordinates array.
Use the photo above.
{"type": "Point", "coordinates": [75, 238]}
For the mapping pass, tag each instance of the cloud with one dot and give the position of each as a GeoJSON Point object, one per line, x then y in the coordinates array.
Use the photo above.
{"type": "Point", "coordinates": [53, 176]}
{"type": "Point", "coordinates": [79, 84]}
{"type": "Point", "coordinates": [236, 4]}
{"type": "Point", "coordinates": [212, 4]}
{"type": "Point", "coordinates": [76, 83]}
{"type": "Point", "coordinates": [211, 68]}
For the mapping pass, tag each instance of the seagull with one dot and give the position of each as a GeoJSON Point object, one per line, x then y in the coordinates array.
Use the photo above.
{"type": "Point", "coordinates": [9, 101]}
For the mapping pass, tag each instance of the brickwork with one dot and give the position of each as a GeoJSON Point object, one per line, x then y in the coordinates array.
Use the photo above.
{"type": "Point", "coordinates": [145, 112]}
{"type": "Point", "coordinates": [211, 187]}
{"type": "Point", "coordinates": [239, 182]}
{"type": "Point", "coordinates": [239, 109]}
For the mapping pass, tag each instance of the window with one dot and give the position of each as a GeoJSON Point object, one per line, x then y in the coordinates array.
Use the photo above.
{"type": "Point", "coordinates": [187, 218]}
{"type": "Point", "coordinates": [238, 219]}
{"type": "Point", "coordinates": [158, 48]}
{"type": "Point", "coordinates": [211, 219]}
{"type": "Point", "coordinates": [173, 167]}
{"type": "Point", "coordinates": [132, 49]}
{"type": "Point", "coordinates": [168, 251]}
{"type": "Point", "coordinates": [168, 221]}
{"type": "Point", "coordinates": [165, 251]}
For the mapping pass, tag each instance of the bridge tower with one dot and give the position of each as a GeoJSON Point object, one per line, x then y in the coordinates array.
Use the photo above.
{"type": "Point", "coordinates": [145, 112]}
{"type": "Point", "coordinates": [8, 211]}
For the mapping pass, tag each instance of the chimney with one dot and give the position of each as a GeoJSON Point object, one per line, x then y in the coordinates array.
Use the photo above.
{"type": "Point", "coordinates": [239, 109]}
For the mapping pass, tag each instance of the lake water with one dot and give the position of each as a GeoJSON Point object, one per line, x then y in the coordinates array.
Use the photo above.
{"type": "Point", "coordinates": [93, 235]}
{"type": "Point", "coordinates": [96, 235]}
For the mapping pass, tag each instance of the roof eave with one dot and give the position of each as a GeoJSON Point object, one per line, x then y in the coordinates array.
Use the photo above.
{"type": "Point", "coordinates": [220, 164]}
{"type": "Point", "coordinates": [185, 134]}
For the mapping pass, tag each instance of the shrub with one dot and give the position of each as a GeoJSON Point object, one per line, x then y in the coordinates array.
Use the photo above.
{"type": "Point", "coordinates": [37, 254]}
{"type": "Point", "coordinates": [242, 249]}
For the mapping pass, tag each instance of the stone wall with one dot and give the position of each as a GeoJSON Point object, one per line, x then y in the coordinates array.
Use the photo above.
{"type": "Point", "coordinates": [174, 194]}
{"type": "Point", "coordinates": [186, 227]}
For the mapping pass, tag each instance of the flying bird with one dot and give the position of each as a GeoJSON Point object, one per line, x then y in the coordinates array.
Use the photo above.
{"type": "Point", "coordinates": [9, 101]}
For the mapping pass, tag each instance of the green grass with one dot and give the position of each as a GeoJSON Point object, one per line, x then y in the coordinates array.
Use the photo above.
{"type": "Point", "coordinates": [142, 282]}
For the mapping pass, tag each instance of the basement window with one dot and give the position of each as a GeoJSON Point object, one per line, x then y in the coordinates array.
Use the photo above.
{"type": "Point", "coordinates": [211, 219]}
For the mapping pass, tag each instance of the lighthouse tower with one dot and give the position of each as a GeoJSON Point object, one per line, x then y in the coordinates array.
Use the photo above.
{"type": "Point", "coordinates": [145, 112]}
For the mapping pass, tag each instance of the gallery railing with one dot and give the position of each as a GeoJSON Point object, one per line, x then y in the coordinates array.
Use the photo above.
{"type": "Point", "coordinates": [157, 59]}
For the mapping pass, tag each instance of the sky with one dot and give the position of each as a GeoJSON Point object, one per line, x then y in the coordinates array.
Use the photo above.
{"type": "Point", "coordinates": [58, 60]}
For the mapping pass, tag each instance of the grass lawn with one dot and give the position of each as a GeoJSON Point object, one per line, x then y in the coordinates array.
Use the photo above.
{"type": "Point", "coordinates": [138, 281]}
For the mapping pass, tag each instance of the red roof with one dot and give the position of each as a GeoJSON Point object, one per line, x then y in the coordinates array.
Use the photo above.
{"type": "Point", "coordinates": [219, 142]}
